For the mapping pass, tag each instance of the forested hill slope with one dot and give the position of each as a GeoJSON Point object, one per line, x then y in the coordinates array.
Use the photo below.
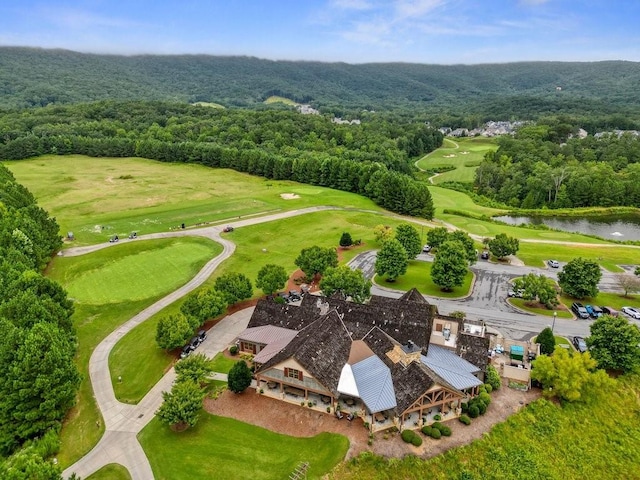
{"type": "Point", "coordinates": [36, 77]}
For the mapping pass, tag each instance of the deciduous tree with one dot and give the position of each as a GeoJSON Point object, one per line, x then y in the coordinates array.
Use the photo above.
{"type": "Point", "coordinates": [437, 236]}
{"type": "Point", "coordinates": [173, 331]}
{"type": "Point", "coordinates": [409, 238]}
{"type": "Point", "coordinates": [391, 260]}
{"type": "Point", "coordinates": [547, 341]}
{"type": "Point", "coordinates": [181, 406]}
{"type": "Point", "coordinates": [239, 377]}
{"type": "Point", "coordinates": [315, 260]}
{"type": "Point", "coordinates": [502, 245]}
{"type": "Point", "coordinates": [450, 266]}
{"type": "Point", "coordinates": [234, 286]}
{"type": "Point", "coordinates": [271, 278]}
{"type": "Point", "coordinates": [467, 242]}
{"type": "Point", "coordinates": [537, 287]}
{"type": "Point", "coordinates": [202, 305]}
{"type": "Point", "coordinates": [382, 233]}
{"type": "Point", "coordinates": [613, 343]}
{"type": "Point", "coordinates": [579, 278]}
{"type": "Point", "coordinates": [628, 283]}
{"type": "Point", "coordinates": [196, 368]}
{"type": "Point", "coordinates": [350, 282]}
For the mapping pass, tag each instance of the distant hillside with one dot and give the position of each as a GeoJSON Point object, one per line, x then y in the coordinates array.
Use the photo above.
{"type": "Point", "coordinates": [36, 77]}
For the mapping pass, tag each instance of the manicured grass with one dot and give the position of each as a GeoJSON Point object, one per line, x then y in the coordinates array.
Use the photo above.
{"type": "Point", "coordinates": [125, 194]}
{"type": "Point", "coordinates": [113, 471]}
{"type": "Point", "coordinates": [444, 198]}
{"type": "Point", "coordinates": [536, 254]}
{"type": "Point", "coordinates": [222, 364]}
{"type": "Point", "coordinates": [613, 300]}
{"type": "Point", "coordinates": [544, 440]}
{"type": "Point", "coordinates": [137, 273]}
{"type": "Point", "coordinates": [277, 99]}
{"type": "Point", "coordinates": [521, 304]}
{"type": "Point", "coordinates": [465, 158]}
{"type": "Point", "coordinates": [219, 447]}
{"type": "Point", "coordinates": [94, 322]}
{"type": "Point", "coordinates": [561, 340]}
{"type": "Point", "coordinates": [419, 276]}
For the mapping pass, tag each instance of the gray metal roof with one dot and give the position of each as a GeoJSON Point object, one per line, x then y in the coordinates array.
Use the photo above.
{"type": "Point", "coordinates": [267, 334]}
{"type": "Point", "coordinates": [375, 385]}
{"type": "Point", "coordinates": [452, 368]}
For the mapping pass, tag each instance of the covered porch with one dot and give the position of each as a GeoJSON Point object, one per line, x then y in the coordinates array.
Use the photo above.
{"type": "Point", "coordinates": [435, 405]}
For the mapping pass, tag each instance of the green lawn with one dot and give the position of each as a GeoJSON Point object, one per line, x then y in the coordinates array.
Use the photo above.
{"type": "Point", "coordinates": [612, 300]}
{"type": "Point", "coordinates": [543, 441]}
{"type": "Point", "coordinates": [277, 99]}
{"type": "Point", "coordinates": [608, 256]}
{"type": "Point", "coordinates": [463, 153]}
{"type": "Point", "coordinates": [113, 471]}
{"type": "Point", "coordinates": [93, 322]}
{"type": "Point", "coordinates": [220, 447]}
{"type": "Point", "coordinates": [222, 364]}
{"type": "Point", "coordinates": [125, 194]}
{"type": "Point", "coordinates": [419, 276]}
{"type": "Point", "coordinates": [521, 304]}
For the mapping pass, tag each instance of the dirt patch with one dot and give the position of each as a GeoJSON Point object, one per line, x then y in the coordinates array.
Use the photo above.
{"type": "Point", "coordinates": [298, 421]}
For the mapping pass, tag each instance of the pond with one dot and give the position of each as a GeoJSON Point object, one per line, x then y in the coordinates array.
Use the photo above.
{"type": "Point", "coordinates": [609, 227]}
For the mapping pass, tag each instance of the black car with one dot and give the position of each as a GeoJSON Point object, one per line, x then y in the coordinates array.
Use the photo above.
{"type": "Point", "coordinates": [228, 228]}
{"type": "Point", "coordinates": [186, 350]}
{"type": "Point", "coordinates": [580, 344]}
{"type": "Point", "coordinates": [579, 310]}
{"type": "Point", "coordinates": [195, 342]}
{"type": "Point", "coordinates": [202, 334]}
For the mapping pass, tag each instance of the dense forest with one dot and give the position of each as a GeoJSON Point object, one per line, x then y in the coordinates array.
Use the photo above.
{"type": "Point", "coordinates": [38, 378]}
{"type": "Point", "coordinates": [453, 94]}
{"type": "Point", "coordinates": [371, 159]}
{"type": "Point", "coordinates": [544, 166]}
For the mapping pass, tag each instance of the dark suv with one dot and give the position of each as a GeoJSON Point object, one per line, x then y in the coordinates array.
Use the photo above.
{"type": "Point", "coordinates": [579, 310]}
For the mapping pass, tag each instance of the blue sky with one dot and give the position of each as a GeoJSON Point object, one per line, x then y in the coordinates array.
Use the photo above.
{"type": "Point", "coordinates": [354, 31]}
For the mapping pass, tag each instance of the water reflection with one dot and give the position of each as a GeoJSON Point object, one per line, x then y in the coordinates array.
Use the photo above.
{"type": "Point", "coordinates": [609, 227]}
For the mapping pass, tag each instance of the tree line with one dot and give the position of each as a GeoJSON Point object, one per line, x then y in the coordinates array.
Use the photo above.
{"type": "Point", "coordinates": [371, 159]}
{"type": "Point", "coordinates": [38, 377]}
{"type": "Point", "coordinates": [544, 166]}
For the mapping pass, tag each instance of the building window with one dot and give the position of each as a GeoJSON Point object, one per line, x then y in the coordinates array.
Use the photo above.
{"type": "Point", "coordinates": [248, 347]}
{"type": "Point", "coordinates": [293, 373]}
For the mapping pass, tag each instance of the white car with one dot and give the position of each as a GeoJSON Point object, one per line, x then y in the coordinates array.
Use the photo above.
{"type": "Point", "coordinates": [632, 312]}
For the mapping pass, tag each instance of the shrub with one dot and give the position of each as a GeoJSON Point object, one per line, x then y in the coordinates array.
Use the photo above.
{"type": "Point", "coordinates": [488, 387]}
{"type": "Point", "coordinates": [426, 430]}
{"type": "Point", "coordinates": [407, 435]}
{"type": "Point", "coordinates": [465, 419]}
{"type": "Point", "coordinates": [437, 425]}
{"type": "Point", "coordinates": [493, 377]}
{"type": "Point", "coordinates": [465, 407]}
{"type": "Point", "coordinates": [261, 391]}
{"type": "Point", "coordinates": [482, 408]}
{"type": "Point", "coordinates": [474, 411]}
{"type": "Point", "coordinates": [328, 409]}
{"type": "Point", "coordinates": [233, 349]}
{"type": "Point", "coordinates": [446, 431]}
{"type": "Point", "coordinates": [485, 398]}
{"type": "Point", "coordinates": [416, 440]}
{"type": "Point", "coordinates": [435, 434]}
{"type": "Point", "coordinates": [437, 417]}
{"type": "Point", "coordinates": [482, 389]}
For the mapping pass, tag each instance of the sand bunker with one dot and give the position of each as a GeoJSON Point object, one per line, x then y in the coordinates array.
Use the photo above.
{"type": "Point", "coordinates": [451, 155]}
{"type": "Point", "coordinates": [289, 196]}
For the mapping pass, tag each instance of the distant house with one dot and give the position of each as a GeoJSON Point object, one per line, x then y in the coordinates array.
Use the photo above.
{"type": "Point", "coordinates": [393, 362]}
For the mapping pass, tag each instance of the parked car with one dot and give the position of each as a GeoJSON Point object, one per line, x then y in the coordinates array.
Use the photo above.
{"type": "Point", "coordinates": [580, 344]}
{"type": "Point", "coordinates": [294, 296]}
{"type": "Point", "coordinates": [609, 311]}
{"type": "Point", "coordinates": [632, 312]}
{"type": "Point", "coordinates": [596, 312]}
{"type": "Point", "coordinates": [426, 249]}
{"type": "Point", "coordinates": [553, 263]}
{"type": "Point", "coordinates": [202, 334]}
{"type": "Point", "coordinates": [589, 309]}
{"type": "Point", "coordinates": [579, 310]}
{"type": "Point", "coordinates": [484, 255]}
{"type": "Point", "coordinates": [186, 350]}
{"type": "Point", "coordinates": [195, 342]}
{"type": "Point", "coordinates": [515, 293]}
{"type": "Point", "coordinates": [228, 228]}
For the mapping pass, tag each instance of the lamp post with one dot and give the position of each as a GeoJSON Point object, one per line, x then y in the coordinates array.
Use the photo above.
{"type": "Point", "coordinates": [555, 315]}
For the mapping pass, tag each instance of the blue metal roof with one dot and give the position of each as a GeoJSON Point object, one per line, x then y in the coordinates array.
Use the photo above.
{"type": "Point", "coordinates": [452, 368]}
{"type": "Point", "coordinates": [375, 386]}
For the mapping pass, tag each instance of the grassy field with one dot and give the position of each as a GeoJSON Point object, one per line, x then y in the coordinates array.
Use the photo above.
{"type": "Point", "coordinates": [283, 241]}
{"type": "Point", "coordinates": [543, 441]}
{"type": "Point", "coordinates": [613, 300]}
{"type": "Point", "coordinates": [219, 447]}
{"type": "Point", "coordinates": [93, 321]}
{"type": "Point", "coordinates": [419, 276]}
{"type": "Point", "coordinates": [463, 153]}
{"type": "Point", "coordinates": [113, 471]}
{"type": "Point", "coordinates": [222, 364]}
{"type": "Point", "coordinates": [277, 99]}
{"type": "Point", "coordinates": [536, 254]}
{"type": "Point", "coordinates": [98, 197]}
{"type": "Point", "coordinates": [522, 304]}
